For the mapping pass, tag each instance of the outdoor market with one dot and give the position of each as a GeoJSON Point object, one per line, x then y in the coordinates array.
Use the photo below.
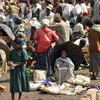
{"type": "Point", "coordinates": [50, 49]}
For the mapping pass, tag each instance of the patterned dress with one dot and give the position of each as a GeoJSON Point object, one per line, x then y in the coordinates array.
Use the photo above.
{"type": "Point", "coordinates": [42, 61]}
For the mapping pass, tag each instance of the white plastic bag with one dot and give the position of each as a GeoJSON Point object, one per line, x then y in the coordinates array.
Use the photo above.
{"type": "Point", "coordinates": [67, 9]}
{"type": "Point", "coordinates": [34, 86]}
{"type": "Point", "coordinates": [80, 80]}
{"type": "Point", "coordinates": [77, 10]}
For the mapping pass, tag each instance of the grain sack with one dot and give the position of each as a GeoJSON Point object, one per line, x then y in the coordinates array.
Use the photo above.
{"type": "Point", "coordinates": [39, 76]}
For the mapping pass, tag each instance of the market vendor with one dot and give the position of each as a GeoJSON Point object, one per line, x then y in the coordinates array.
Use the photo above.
{"type": "Point", "coordinates": [63, 66]}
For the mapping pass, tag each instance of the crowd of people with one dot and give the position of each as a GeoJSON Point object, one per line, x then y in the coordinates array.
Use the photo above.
{"type": "Point", "coordinates": [37, 24]}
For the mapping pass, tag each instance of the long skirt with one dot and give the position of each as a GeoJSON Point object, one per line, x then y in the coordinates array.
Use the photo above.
{"type": "Point", "coordinates": [19, 80]}
{"type": "Point", "coordinates": [42, 61]}
{"type": "Point", "coordinates": [95, 62]}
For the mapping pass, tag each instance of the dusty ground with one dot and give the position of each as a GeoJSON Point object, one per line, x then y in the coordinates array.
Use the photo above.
{"type": "Point", "coordinates": [37, 95]}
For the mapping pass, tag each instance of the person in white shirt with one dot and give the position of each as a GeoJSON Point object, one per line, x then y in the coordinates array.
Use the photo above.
{"type": "Point", "coordinates": [79, 31]}
{"type": "Point", "coordinates": [47, 14]}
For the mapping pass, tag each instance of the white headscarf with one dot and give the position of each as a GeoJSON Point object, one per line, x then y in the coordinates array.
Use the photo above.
{"type": "Point", "coordinates": [45, 22]}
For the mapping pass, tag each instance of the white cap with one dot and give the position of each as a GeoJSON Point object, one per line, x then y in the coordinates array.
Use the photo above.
{"type": "Point", "coordinates": [50, 6]}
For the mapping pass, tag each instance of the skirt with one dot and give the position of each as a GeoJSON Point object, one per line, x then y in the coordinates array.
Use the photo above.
{"type": "Point", "coordinates": [19, 80]}
{"type": "Point", "coordinates": [95, 62]}
{"type": "Point", "coordinates": [42, 61]}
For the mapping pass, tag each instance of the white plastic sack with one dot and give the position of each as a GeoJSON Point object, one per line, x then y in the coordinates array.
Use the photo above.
{"type": "Point", "coordinates": [67, 9]}
{"type": "Point", "coordinates": [79, 89]}
{"type": "Point", "coordinates": [34, 86]}
{"type": "Point", "coordinates": [80, 80]}
{"type": "Point", "coordinates": [52, 89]}
{"type": "Point", "coordinates": [67, 85]}
{"type": "Point", "coordinates": [66, 89]}
{"type": "Point", "coordinates": [39, 76]}
{"type": "Point", "coordinates": [77, 10]}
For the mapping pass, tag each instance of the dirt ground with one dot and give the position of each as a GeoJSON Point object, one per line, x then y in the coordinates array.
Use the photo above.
{"type": "Point", "coordinates": [38, 95]}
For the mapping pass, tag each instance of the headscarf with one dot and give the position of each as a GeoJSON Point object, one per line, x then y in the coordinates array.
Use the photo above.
{"type": "Point", "coordinates": [45, 22]}
{"type": "Point", "coordinates": [56, 15]}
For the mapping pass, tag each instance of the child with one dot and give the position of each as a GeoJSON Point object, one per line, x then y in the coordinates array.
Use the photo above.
{"type": "Point", "coordinates": [31, 54]}
{"type": "Point", "coordinates": [18, 76]}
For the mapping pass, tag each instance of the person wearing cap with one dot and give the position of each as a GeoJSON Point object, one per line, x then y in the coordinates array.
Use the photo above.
{"type": "Point", "coordinates": [44, 37]}
{"type": "Point", "coordinates": [94, 43]}
{"type": "Point", "coordinates": [47, 14]}
{"type": "Point", "coordinates": [87, 22]}
{"type": "Point", "coordinates": [62, 29]}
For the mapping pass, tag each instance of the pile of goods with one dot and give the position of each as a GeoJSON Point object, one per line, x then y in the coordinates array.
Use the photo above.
{"type": "Point", "coordinates": [71, 87]}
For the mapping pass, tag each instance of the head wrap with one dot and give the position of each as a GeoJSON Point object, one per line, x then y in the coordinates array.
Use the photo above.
{"type": "Point", "coordinates": [45, 22]}
{"type": "Point", "coordinates": [56, 15]}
